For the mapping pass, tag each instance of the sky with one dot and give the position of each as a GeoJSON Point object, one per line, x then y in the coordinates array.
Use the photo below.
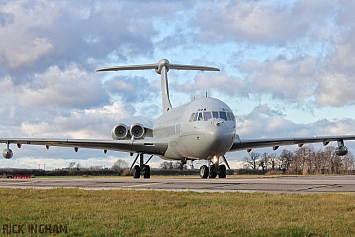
{"type": "Point", "coordinates": [287, 69]}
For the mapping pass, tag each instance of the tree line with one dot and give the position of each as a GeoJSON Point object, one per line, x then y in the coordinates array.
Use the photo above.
{"type": "Point", "coordinates": [305, 160]}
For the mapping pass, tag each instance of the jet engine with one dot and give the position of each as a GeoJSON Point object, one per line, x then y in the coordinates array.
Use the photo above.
{"type": "Point", "coordinates": [120, 132]}
{"type": "Point", "coordinates": [341, 150]}
{"type": "Point", "coordinates": [138, 131]}
{"type": "Point", "coordinates": [7, 153]}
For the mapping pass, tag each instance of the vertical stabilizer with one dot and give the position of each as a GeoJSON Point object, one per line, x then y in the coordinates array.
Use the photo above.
{"type": "Point", "coordinates": [162, 68]}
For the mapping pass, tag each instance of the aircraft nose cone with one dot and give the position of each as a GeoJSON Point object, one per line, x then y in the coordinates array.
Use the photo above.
{"type": "Point", "coordinates": [219, 138]}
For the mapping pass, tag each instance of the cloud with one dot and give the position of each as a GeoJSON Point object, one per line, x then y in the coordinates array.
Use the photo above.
{"type": "Point", "coordinates": [56, 88]}
{"type": "Point", "coordinates": [132, 89]}
{"type": "Point", "coordinates": [263, 22]}
{"type": "Point", "coordinates": [89, 123]}
{"type": "Point", "coordinates": [21, 43]}
{"type": "Point", "coordinates": [263, 122]}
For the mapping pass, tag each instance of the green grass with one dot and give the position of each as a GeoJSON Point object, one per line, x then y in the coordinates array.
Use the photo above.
{"type": "Point", "coordinates": [163, 213]}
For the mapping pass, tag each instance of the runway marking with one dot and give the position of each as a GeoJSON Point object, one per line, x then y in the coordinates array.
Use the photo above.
{"type": "Point", "coordinates": [142, 185]}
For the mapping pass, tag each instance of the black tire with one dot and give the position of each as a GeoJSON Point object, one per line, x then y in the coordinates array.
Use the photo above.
{"type": "Point", "coordinates": [136, 172]}
{"type": "Point", "coordinates": [204, 171]}
{"type": "Point", "coordinates": [213, 172]}
{"type": "Point", "coordinates": [222, 172]}
{"type": "Point", "coordinates": [146, 172]}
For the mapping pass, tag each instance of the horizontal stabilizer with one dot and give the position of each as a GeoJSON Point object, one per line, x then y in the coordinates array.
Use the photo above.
{"type": "Point", "coordinates": [157, 67]}
{"type": "Point", "coordinates": [131, 67]}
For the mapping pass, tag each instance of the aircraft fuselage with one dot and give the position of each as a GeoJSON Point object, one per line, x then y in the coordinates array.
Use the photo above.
{"type": "Point", "coordinates": [202, 129]}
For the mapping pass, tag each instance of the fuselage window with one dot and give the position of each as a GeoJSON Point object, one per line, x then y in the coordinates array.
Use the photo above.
{"type": "Point", "coordinates": [223, 115]}
{"type": "Point", "coordinates": [215, 114]}
{"type": "Point", "coordinates": [200, 118]}
{"type": "Point", "coordinates": [192, 117]}
{"type": "Point", "coordinates": [207, 115]}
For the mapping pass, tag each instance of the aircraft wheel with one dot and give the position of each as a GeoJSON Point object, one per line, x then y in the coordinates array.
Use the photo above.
{"type": "Point", "coordinates": [213, 172]}
{"type": "Point", "coordinates": [146, 172]}
{"type": "Point", "coordinates": [222, 171]}
{"type": "Point", "coordinates": [204, 171]}
{"type": "Point", "coordinates": [136, 172]}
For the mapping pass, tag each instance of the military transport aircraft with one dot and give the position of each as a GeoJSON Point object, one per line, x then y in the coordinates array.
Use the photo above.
{"type": "Point", "coordinates": [204, 129]}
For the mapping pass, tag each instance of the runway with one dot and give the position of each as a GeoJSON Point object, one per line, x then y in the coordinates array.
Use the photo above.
{"type": "Point", "coordinates": [298, 184]}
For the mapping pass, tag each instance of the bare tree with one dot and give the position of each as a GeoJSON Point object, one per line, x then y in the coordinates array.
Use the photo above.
{"type": "Point", "coordinates": [286, 158]}
{"type": "Point", "coordinates": [166, 165]}
{"type": "Point", "coordinates": [348, 162]}
{"type": "Point", "coordinates": [252, 160]}
{"type": "Point", "coordinates": [71, 165]}
{"type": "Point", "coordinates": [119, 165]}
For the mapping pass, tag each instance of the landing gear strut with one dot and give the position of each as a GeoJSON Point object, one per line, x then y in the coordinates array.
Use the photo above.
{"type": "Point", "coordinates": [142, 168]}
{"type": "Point", "coordinates": [214, 169]}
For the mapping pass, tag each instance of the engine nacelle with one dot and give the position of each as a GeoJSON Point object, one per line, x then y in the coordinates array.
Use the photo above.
{"type": "Point", "coordinates": [341, 150]}
{"type": "Point", "coordinates": [120, 132]}
{"type": "Point", "coordinates": [138, 131]}
{"type": "Point", "coordinates": [7, 153]}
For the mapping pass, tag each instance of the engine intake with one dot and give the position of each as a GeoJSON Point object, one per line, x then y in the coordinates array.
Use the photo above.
{"type": "Point", "coordinates": [7, 153]}
{"type": "Point", "coordinates": [120, 132]}
{"type": "Point", "coordinates": [341, 150]}
{"type": "Point", "coordinates": [138, 131]}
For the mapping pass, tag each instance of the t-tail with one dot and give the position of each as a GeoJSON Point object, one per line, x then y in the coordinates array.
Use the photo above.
{"type": "Point", "coordinates": [162, 68]}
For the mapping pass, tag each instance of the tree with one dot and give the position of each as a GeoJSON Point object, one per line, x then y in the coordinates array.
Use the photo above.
{"type": "Point", "coordinates": [264, 162]}
{"type": "Point", "coordinates": [286, 158]}
{"type": "Point", "coordinates": [119, 165]}
{"type": "Point", "coordinates": [348, 162]}
{"type": "Point", "coordinates": [179, 165]}
{"type": "Point", "coordinates": [71, 165]}
{"type": "Point", "coordinates": [252, 160]}
{"type": "Point", "coordinates": [166, 165]}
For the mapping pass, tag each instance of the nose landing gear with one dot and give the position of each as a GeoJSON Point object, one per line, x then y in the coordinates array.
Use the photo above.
{"type": "Point", "coordinates": [214, 169]}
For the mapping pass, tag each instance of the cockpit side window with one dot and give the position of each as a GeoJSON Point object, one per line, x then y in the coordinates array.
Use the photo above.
{"type": "Point", "coordinates": [192, 117]}
{"type": "Point", "coordinates": [215, 114]}
{"type": "Point", "coordinates": [207, 115]}
{"type": "Point", "coordinates": [196, 115]}
{"type": "Point", "coordinates": [223, 115]}
{"type": "Point", "coordinates": [232, 116]}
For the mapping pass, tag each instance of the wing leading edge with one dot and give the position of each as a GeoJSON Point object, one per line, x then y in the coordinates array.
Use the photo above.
{"type": "Point", "coordinates": [249, 144]}
{"type": "Point", "coordinates": [146, 146]}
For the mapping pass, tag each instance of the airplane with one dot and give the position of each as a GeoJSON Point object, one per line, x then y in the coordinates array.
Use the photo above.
{"type": "Point", "coordinates": [203, 129]}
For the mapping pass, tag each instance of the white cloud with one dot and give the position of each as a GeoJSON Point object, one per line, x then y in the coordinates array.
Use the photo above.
{"type": "Point", "coordinates": [21, 41]}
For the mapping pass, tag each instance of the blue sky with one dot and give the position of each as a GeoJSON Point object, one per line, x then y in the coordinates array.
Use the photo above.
{"type": "Point", "coordinates": [287, 69]}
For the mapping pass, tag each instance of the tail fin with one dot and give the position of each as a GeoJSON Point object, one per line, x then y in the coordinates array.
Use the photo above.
{"type": "Point", "coordinates": [162, 68]}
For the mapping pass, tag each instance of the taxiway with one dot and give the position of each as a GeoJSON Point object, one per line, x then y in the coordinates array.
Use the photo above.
{"type": "Point", "coordinates": [297, 184]}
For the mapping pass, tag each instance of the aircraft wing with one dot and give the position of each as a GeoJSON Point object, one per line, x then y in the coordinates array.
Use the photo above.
{"type": "Point", "coordinates": [249, 144]}
{"type": "Point", "coordinates": [147, 146]}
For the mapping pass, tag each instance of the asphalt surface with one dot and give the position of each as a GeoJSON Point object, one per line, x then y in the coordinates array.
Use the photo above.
{"type": "Point", "coordinates": [303, 184]}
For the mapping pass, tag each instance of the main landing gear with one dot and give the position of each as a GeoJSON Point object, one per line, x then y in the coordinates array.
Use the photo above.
{"type": "Point", "coordinates": [142, 168]}
{"type": "Point", "coordinates": [214, 169]}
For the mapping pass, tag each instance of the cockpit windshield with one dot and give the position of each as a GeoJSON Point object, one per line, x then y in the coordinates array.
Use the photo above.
{"type": "Point", "coordinates": [206, 115]}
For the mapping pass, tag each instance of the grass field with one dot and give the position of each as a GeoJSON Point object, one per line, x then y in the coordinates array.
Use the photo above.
{"type": "Point", "coordinates": [162, 213]}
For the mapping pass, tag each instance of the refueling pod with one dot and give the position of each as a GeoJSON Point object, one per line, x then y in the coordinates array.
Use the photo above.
{"type": "Point", "coordinates": [7, 153]}
{"type": "Point", "coordinates": [341, 150]}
